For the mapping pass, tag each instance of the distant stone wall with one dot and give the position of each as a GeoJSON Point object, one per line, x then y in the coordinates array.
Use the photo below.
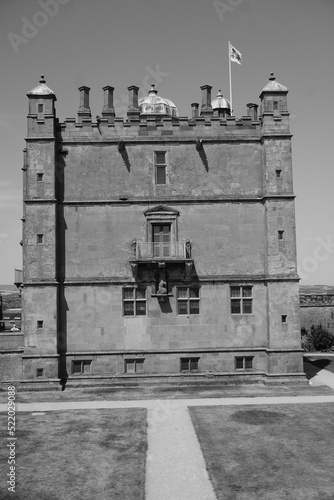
{"type": "Point", "coordinates": [11, 366]}
{"type": "Point", "coordinates": [11, 340]}
{"type": "Point", "coordinates": [317, 309]}
{"type": "Point", "coordinates": [11, 350]}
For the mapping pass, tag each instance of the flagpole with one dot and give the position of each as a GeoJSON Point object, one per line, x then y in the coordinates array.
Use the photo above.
{"type": "Point", "coordinates": [230, 74]}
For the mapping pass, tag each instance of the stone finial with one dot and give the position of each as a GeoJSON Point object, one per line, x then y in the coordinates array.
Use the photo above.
{"type": "Point", "coordinates": [42, 80]}
{"type": "Point", "coordinates": [153, 89]}
{"type": "Point", "coordinates": [272, 76]}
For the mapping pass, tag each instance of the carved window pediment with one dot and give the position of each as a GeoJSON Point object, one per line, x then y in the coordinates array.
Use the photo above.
{"type": "Point", "coordinates": [161, 211]}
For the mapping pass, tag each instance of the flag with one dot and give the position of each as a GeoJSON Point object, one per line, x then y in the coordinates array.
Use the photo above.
{"type": "Point", "coordinates": [235, 55]}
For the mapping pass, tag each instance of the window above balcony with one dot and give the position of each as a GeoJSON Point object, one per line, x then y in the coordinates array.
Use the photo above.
{"type": "Point", "coordinates": [161, 240]}
{"type": "Point", "coordinates": [161, 230]}
{"type": "Point", "coordinates": [161, 243]}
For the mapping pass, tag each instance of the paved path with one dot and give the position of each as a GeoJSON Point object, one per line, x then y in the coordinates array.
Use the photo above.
{"type": "Point", "coordinates": [167, 405]}
{"type": "Point", "coordinates": [175, 466]}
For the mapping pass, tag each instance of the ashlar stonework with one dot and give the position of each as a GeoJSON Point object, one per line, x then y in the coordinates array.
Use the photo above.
{"type": "Point", "coordinates": [159, 247]}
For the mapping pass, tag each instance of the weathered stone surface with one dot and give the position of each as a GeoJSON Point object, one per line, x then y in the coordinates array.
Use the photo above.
{"type": "Point", "coordinates": [228, 200]}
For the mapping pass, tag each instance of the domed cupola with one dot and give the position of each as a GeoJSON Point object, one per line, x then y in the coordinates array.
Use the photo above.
{"type": "Point", "coordinates": [153, 104]}
{"type": "Point", "coordinates": [220, 105]}
{"type": "Point", "coordinates": [41, 89]}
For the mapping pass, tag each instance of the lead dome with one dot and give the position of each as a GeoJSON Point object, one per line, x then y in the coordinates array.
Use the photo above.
{"type": "Point", "coordinates": [41, 89]}
{"type": "Point", "coordinates": [220, 103]}
{"type": "Point", "coordinates": [153, 104]}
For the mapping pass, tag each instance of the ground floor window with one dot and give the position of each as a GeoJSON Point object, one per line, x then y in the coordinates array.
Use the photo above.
{"type": "Point", "coordinates": [244, 362]}
{"type": "Point", "coordinates": [188, 300]}
{"type": "Point", "coordinates": [80, 367]}
{"type": "Point", "coordinates": [134, 301]}
{"type": "Point", "coordinates": [241, 299]}
{"type": "Point", "coordinates": [189, 364]}
{"type": "Point", "coordinates": [135, 365]}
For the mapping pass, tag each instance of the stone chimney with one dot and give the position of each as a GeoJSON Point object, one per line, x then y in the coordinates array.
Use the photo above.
{"type": "Point", "coordinates": [206, 108]}
{"type": "Point", "coordinates": [252, 111]}
{"type": "Point", "coordinates": [194, 109]}
{"type": "Point", "coordinates": [108, 110]}
{"type": "Point", "coordinates": [84, 109]}
{"type": "Point", "coordinates": [133, 108]}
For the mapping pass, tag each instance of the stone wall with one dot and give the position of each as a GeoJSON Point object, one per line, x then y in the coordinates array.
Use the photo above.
{"type": "Point", "coordinates": [317, 309]}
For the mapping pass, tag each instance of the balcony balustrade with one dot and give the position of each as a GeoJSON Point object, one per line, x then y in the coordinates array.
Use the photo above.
{"type": "Point", "coordinates": [178, 250]}
{"type": "Point", "coordinates": [162, 253]}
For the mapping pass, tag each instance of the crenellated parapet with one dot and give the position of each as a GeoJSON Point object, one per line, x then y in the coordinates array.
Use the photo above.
{"type": "Point", "coordinates": [156, 117]}
{"type": "Point", "coordinates": [181, 128]}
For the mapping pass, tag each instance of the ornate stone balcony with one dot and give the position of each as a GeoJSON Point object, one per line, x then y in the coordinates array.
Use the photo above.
{"type": "Point", "coordinates": [177, 250]}
{"type": "Point", "coordinates": [161, 253]}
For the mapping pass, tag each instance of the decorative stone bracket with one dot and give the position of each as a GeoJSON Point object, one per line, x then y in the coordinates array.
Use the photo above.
{"type": "Point", "coordinates": [189, 268]}
{"type": "Point", "coordinates": [162, 297]}
{"type": "Point", "coordinates": [134, 268]}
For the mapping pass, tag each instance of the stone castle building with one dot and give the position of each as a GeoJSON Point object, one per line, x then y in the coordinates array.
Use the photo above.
{"type": "Point", "coordinates": [157, 246]}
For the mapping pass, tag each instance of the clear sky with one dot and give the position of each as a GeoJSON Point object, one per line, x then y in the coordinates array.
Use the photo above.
{"type": "Point", "coordinates": [179, 45]}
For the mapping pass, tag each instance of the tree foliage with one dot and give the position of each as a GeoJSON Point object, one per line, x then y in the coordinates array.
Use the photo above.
{"type": "Point", "coordinates": [317, 339]}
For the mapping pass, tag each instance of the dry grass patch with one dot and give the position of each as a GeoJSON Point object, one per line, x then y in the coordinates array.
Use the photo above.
{"type": "Point", "coordinates": [268, 452]}
{"type": "Point", "coordinates": [79, 455]}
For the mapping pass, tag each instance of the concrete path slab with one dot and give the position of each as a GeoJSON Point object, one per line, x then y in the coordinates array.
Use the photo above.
{"type": "Point", "coordinates": [168, 405]}
{"type": "Point", "coordinates": [175, 466]}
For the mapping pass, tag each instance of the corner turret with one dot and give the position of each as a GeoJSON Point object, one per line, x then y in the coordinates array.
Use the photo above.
{"type": "Point", "coordinates": [274, 108]}
{"type": "Point", "coordinates": [42, 113]}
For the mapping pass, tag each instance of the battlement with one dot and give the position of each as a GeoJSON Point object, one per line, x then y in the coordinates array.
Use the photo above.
{"type": "Point", "coordinates": [157, 117]}
{"type": "Point", "coordinates": [167, 127]}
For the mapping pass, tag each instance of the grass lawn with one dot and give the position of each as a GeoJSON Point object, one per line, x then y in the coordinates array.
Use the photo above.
{"type": "Point", "coordinates": [78, 455]}
{"type": "Point", "coordinates": [276, 452]}
{"type": "Point", "coordinates": [176, 392]}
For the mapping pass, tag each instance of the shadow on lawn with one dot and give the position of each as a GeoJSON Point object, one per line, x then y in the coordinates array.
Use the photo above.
{"type": "Point", "coordinates": [312, 367]}
{"type": "Point", "coordinates": [257, 417]}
